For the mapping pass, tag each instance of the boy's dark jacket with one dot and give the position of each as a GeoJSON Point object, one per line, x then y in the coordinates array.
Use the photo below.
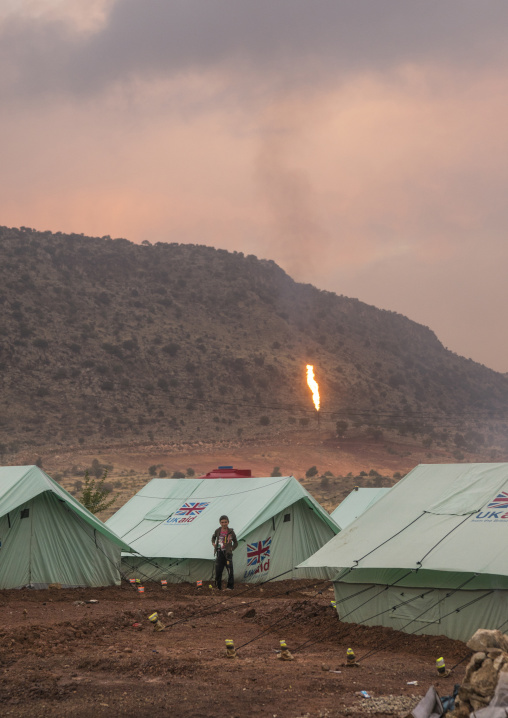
{"type": "Point", "coordinates": [230, 542]}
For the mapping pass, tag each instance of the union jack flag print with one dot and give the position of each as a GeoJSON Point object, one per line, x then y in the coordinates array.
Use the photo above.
{"type": "Point", "coordinates": [258, 551]}
{"type": "Point", "coordinates": [191, 509]}
{"type": "Point", "coordinates": [500, 502]}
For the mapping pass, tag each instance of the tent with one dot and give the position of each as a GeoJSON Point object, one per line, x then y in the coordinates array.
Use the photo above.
{"type": "Point", "coordinates": [431, 556]}
{"type": "Point", "coordinates": [356, 503]}
{"type": "Point", "coordinates": [170, 523]}
{"type": "Point", "coordinates": [47, 536]}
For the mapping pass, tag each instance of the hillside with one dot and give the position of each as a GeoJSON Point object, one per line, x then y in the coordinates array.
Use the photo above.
{"type": "Point", "coordinates": [104, 341]}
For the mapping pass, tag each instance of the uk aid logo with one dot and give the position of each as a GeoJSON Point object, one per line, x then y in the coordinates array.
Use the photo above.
{"type": "Point", "coordinates": [188, 512]}
{"type": "Point", "coordinates": [497, 510]}
{"type": "Point", "coordinates": [258, 557]}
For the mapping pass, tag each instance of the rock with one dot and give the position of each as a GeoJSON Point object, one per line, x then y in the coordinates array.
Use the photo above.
{"type": "Point", "coordinates": [325, 667]}
{"type": "Point", "coordinates": [250, 613]}
{"type": "Point", "coordinates": [498, 661]}
{"type": "Point", "coordinates": [482, 674]}
{"type": "Point", "coordinates": [484, 680]}
{"type": "Point", "coordinates": [493, 652]}
{"type": "Point", "coordinates": [483, 640]}
{"type": "Point", "coordinates": [478, 658]}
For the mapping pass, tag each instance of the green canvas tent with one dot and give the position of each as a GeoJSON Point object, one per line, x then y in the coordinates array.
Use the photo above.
{"type": "Point", "coordinates": [355, 504]}
{"type": "Point", "coordinates": [47, 536]}
{"type": "Point", "coordinates": [431, 556]}
{"type": "Point", "coordinates": [170, 524]}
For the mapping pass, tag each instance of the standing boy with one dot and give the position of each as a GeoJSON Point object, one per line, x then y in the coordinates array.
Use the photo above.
{"type": "Point", "coordinates": [224, 543]}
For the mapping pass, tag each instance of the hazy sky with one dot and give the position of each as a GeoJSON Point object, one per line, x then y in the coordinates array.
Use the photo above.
{"type": "Point", "coordinates": [361, 144]}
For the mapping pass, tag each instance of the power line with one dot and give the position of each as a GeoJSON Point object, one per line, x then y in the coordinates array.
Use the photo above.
{"type": "Point", "coordinates": [492, 414]}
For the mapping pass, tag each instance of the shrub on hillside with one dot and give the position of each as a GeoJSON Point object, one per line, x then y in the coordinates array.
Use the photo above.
{"type": "Point", "coordinates": [95, 493]}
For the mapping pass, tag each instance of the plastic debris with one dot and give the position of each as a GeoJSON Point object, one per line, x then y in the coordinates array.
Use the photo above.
{"type": "Point", "coordinates": [364, 694]}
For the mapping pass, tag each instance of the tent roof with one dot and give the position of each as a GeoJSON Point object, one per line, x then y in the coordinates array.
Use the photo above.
{"type": "Point", "coordinates": [20, 484]}
{"type": "Point", "coordinates": [142, 521]}
{"type": "Point", "coordinates": [435, 518]}
{"type": "Point", "coordinates": [356, 503]}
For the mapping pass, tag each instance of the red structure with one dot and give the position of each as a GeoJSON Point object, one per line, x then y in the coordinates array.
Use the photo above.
{"type": "Point", "coordinates": [227, 472]}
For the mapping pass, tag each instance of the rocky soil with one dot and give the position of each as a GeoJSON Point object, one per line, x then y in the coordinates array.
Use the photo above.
{"type": "Point", "coordinates": [61, 655]}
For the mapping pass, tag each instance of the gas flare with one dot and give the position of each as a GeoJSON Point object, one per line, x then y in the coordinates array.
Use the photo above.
{"type": "Point", "coordinates": [313, 386]}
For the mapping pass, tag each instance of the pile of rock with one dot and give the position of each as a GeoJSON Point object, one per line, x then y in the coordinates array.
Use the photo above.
{"type": "Point", "coordinates": [386, 705]}
{"type": "Point", "coordinates": [487, 668]}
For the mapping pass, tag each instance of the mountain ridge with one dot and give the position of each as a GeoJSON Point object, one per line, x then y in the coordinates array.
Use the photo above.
{"type": "Point", "coordinates": [103, 339]}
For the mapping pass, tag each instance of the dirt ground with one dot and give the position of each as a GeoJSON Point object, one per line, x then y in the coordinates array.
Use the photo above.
{"type": "Point", "coordinates": [62, 656]}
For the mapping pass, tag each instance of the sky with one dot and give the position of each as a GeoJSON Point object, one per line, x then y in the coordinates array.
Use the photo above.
{"type": "Point", "coordinates": [360, 144]}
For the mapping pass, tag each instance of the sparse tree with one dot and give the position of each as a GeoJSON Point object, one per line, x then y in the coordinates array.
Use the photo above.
{"type": "Point", "coordinates": [459, 440]}
{"type": "Point", "coordinates": [96, 468]}
{"type": "Point", "coordinates": [276, 471]}
{"type": "Point", "coordinates": [341, 427]}
{"type": "Point", "coordinates": [95, 493]}
{"type": "Point", "coordinates": [311, 472]}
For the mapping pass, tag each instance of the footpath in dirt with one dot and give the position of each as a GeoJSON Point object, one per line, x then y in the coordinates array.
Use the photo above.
{"type": "Point", "coordinates": [63, 656]}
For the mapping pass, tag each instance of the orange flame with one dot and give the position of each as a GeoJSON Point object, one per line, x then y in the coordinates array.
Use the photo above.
{"type": "Point", "coordinates": [313, 386]}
